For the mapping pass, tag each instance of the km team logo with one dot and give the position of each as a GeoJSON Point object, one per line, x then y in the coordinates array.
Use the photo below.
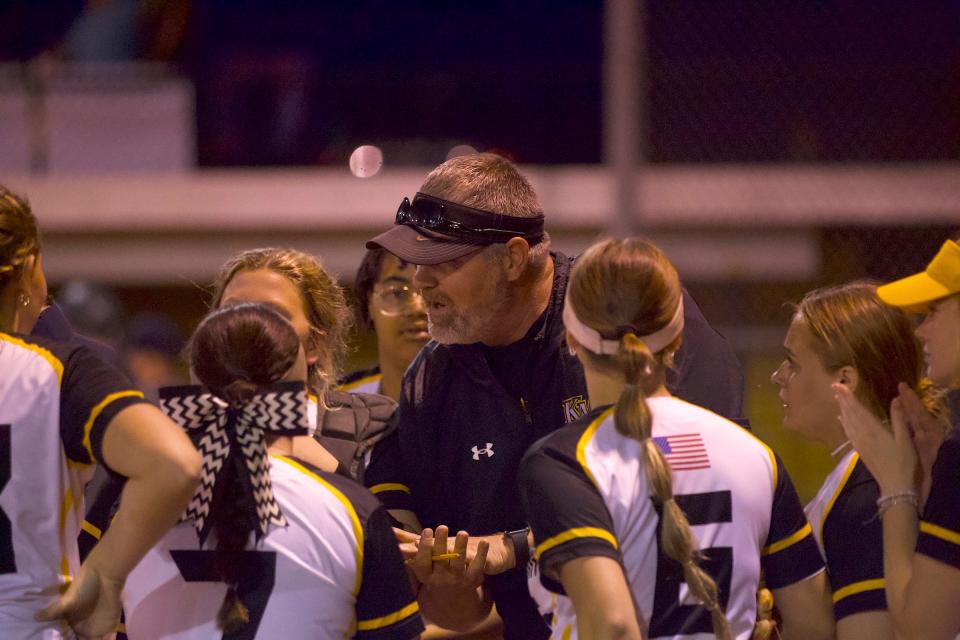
{"type": "Point", "coordinates": [575, 408]}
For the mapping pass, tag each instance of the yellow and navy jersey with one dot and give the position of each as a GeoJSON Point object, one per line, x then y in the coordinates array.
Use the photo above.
{"type": "Point", "coordinates": [334, 571]}
{"type": "Point", "coordinates": [585, 493]}
{"type": "Point", "coordinates": [56, 401]}
{"type": "Point", "coordinates": [940, 523]}
{"type": "Point", "coordinates": [365, 381]}
{"type": "Point", "coordinates": [844, 519]}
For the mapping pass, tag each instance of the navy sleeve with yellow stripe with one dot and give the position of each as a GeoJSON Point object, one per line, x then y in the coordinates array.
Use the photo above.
{"type": "Point", "coordinates": [940, 525]}
{"type": "Point", "coordinates": [386, 607]}
{"type": "Point", "coordinates": [384, 475]}
{"type": "Point", "coordinates": [567, 514]}
{"type": "Point", "coordinates": [790, 553]}
{"type": "Point", "coordinates": [853, 542]}
{"type": "Point", "coordinates": [92, 393]}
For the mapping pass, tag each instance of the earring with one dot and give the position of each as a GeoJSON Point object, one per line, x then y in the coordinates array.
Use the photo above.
{"type": "Point", "coordinates": [572, 351]}
{"type": "Point", "coordinates": [23, 300]}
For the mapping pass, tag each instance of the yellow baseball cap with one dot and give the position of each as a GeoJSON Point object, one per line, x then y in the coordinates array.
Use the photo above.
{"type": "Point", "coordinates": [941, 278]}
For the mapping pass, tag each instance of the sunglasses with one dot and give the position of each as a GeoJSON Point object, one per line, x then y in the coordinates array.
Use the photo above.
{"type": "Point", "coordinates": [467, 223]}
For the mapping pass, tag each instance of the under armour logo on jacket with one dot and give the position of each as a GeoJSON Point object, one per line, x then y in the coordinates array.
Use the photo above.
{"type": "Point", "coordinates": [488, 451]}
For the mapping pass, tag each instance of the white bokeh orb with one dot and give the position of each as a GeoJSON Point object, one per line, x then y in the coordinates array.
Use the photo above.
{"type": "Point", "coordinates": [460, 150]}
{"type": "Point", "coordinates": [366, 161]}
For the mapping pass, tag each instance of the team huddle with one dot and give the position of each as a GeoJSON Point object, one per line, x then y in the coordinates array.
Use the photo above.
{"type": "Point", "coordinates": [550, 447]}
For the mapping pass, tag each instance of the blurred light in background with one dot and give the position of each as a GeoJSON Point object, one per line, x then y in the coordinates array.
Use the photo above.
{"type": "Point", "coordinates": [365, 161]}
{"type": "Point", "coordinates": [460, 150]}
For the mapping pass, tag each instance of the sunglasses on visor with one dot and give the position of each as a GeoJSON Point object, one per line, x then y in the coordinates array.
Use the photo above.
{"type": "Point", "coordinates": [467, 223]}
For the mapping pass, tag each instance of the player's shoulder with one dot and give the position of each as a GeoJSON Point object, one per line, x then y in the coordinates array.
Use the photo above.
{"type": "Point", "coordinates": [37, 353]}
{"type": "Point", "coordinates": [345, 491]}
{"type": "Point", "coordinates": [565, 441]}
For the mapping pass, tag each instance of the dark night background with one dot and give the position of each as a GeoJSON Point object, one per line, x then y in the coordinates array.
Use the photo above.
{"type": "Point", "coordinates": [303, 83]}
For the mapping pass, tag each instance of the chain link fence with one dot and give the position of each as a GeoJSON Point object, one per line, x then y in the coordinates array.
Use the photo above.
{"type": "Point", "coordinates": [802, 85]}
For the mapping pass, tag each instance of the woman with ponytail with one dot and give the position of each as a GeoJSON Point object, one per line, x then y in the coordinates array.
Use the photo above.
{"type": "Point", "coordinates": [342, 427]}
{"type": "Point", "coordinates": [653, 517]}
{"type": "Point", "coordinates": [270, 546]}
{"type": "Point", "coordinates": [916, 465]}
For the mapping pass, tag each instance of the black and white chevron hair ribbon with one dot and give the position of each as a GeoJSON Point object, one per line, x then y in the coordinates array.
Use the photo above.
{"type": "Point", "coordinates": [226, 434]}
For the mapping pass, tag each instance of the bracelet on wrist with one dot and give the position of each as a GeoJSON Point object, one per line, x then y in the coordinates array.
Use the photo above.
{"type": "Point", "coordinates": [901, 497]}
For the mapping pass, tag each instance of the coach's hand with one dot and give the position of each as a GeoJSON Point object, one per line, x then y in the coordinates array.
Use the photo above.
{"type": "Point", "coordinates": [431, 565]}
{"type": "Point", "coordinates": [451, 589]}
{"type": "Point", "coordinates": [499, 555]}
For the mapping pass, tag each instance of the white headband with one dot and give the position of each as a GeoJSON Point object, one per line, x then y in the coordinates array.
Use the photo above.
{"type": "Point", "coordinates": [591, 340]}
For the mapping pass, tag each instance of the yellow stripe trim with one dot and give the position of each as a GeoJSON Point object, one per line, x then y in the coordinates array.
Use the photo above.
{"type": "Point", "coordinates": [940, 532]}
{"type": "Point", "coordinates": [350, 386]}
{"type": "Point", "coordinates": [65, 507]}
{"type": "Point", "coordinates": [386, 621]}
{"type": "Point", "coordinates": [585, 440]}
{"type": "Point", "coordinates": [567, 632]}
{"type": "Point", "coordinates": [389, 486]}
{"type": "Point", "coordinates": [43, 353]}
{"type": "Point", "coordinates": [354, 519]}
{"type": "Point", "coordinates": [92, 529]}
{"type": "Point", "coordinates": [789, 541]}
{"type": "Point", "coordinates": [773, 458]}
{"type": "Point", "coordinates": [859, 587]}
{"type": "Point", "coordinates": [836, 492]}
{"type": "Point", "coordinates": [571, 534]}
{"type": "Point", "coordinates": [95, 413]}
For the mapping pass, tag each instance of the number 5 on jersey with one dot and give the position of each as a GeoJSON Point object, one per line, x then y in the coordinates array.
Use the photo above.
{"type": "Point", "coordinates": [670, 617]}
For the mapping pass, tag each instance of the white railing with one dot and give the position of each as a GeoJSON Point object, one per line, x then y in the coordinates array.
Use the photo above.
{"type": "Point", "coordinates": [717, 222]}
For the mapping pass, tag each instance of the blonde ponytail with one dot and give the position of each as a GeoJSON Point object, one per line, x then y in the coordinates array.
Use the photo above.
{"type": "Point", "coordinates": [632, 419]}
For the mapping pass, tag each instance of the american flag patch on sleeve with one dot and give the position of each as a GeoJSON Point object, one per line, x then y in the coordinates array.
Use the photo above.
{"type": "Point", "coordinates": [684, 452]}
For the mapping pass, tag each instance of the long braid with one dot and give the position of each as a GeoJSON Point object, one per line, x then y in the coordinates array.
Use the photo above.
{"type": "Point", "coordinates": [622, 289]}
{"type": "Point", "coordinates": [633, 420]}
{"type": "Point", "coordinates": [232, 527]}
{"type": "Point", "coordinates": [235, 350]}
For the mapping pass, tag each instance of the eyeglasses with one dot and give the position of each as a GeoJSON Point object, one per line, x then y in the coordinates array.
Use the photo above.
{"type": "Point", "coordinates": [467, 223]}
{"type": "Point", "coordinates": [397, 299]}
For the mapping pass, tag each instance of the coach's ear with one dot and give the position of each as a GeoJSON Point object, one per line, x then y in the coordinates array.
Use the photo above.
{"type": "Point", "coordinates": [518, 255]}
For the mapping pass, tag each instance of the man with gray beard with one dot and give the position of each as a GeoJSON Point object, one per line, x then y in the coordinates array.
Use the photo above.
{"type": "Point", "coordinates": [496, 377]}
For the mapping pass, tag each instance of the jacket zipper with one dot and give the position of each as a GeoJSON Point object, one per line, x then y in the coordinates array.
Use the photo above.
{"type": "Point", "coordinates": [526, 413]}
